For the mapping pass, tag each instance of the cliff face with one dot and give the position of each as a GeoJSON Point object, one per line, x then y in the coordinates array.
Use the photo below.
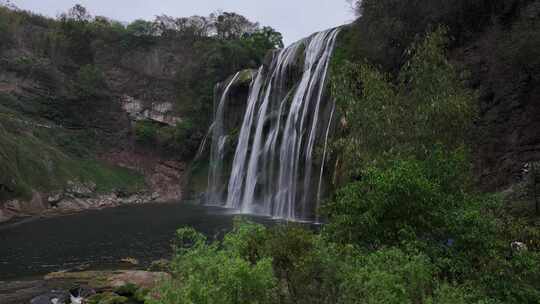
{"type": "Point", "coordinates": [505, 69]}
{"type": "Point", "coordinates": [122, 112]}
{"type": "Point", "coordinates": [509, 136]}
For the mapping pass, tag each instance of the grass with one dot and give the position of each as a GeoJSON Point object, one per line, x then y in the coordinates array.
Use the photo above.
{"type": "Point", "coordinates": [29, 163]}
{"type": "Point", "coordinates": [108, 177]}
{"type": "Point", "coordinates": [36, 158]}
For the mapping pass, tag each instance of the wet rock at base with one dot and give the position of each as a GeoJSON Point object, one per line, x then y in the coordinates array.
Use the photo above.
{"type": "Point", "coordinates": [82, 292]}
{"type": "Point", "coordinates": [53, 297]}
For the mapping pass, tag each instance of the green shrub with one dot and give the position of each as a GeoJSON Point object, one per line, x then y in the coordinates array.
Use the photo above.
{"type": "Point", "coordinates": [297, 264]}
{"type": "Point", "coordinates": [387, 276]}
{"type": "Point", "coordinates": [91, 81]}
{"type": "Point", "coordinates": [449, 294]}
{"type": "Point", "coordinates": [146, 132]}
{"type": "Point", "coordinates": [177, 136]}
{"type": "Point", "coordinates": [416, 203]}
{"type": "Point", "coordinates": [514, 280]}
{"type": "Point", "coordinates": [127, 290]}
{"type": "Point", "coordinates": [428, 106]}
{"type": "Point", "coordinates": [206, 274]}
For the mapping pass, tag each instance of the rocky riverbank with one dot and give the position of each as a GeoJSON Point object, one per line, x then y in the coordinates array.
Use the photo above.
{"type": "Point", "coordinates": [76, 197]}
{"type": "Point", "coordinates": [164, 181]}
{"type": "Point", "coordinates": [111, 286]}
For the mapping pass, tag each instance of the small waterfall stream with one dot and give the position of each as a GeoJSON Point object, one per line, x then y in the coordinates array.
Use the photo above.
{"type": "Point", "coordinates": [287, 116]}
{"type": "Point", "coordinates": [217, 154]}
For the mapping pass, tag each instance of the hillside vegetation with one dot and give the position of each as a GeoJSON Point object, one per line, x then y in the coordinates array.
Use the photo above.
{"type": "Point", "coordinates": [64, 83]}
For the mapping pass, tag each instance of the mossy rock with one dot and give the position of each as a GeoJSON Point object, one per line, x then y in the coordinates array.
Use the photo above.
{"type": "Point", "coordinates": [245, 77]}
{"type": "Point", "coordinates": [159, 265]}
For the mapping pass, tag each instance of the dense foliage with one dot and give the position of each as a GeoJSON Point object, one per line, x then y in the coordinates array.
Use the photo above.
{"type": "Point", "coordinates": [289, 264]}
{"type": "Point", "coordinates": [384, 120]}
{"type": "Point", "coordinates": [74, 55]}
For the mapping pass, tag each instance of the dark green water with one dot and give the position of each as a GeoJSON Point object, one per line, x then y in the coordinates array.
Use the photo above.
{"type": "Point", "coordinates": [102, 238]}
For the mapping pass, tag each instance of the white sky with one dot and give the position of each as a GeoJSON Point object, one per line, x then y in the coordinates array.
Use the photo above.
{"type": "Point", "coordinates": [295, 19]}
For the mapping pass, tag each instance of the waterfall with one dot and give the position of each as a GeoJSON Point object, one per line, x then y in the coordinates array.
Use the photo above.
{"type": "Point", "coordinates": [217, 154]}
{"type": "Point", "coordinates": [286, 117]}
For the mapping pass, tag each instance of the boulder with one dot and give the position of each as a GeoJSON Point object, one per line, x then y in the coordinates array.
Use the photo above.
{"type": "Point", "coordinates": [5, 215]}
{"type": "Point", "coordinates": [130, 260]}
{"type": "Point", "coordinates": [518, 246]}
{"type": "Point", "coordinates": [54, 198]}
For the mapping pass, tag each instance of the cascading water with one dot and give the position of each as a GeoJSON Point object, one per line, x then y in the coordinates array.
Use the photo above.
{"type": "Point", "coordinates": [286, 117]}
{"type": "Point", "coordinates": [217, 154]}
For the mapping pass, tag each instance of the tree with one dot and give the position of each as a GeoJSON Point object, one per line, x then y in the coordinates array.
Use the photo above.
{"type": "Point", "coordinates": [74, 26]}
{"type": "Point", "coordinates": [165, 25]}
{"type": "Point", "coordinates": [194, 26]}
{"type": "Point", "coordinates": [141, 27]}
{"type": "Point", "coordinates": [267, 38]}
{"type": "Point", "coordinates": [232, 25]}
{"type": "Point", "coordinates": [190, 27]}
{"type": "Point", "coordinates": [78, 13]}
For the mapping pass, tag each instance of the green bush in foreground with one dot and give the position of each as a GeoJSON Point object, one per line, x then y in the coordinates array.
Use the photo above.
{"type": "Point", "coordinates": [290, 264]}
{"type": "Point", "coordinates": [204, 273]}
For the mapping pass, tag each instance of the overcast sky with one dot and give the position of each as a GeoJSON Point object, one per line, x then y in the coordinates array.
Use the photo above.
{"type": "Point", "coordinates": [295, 19]}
